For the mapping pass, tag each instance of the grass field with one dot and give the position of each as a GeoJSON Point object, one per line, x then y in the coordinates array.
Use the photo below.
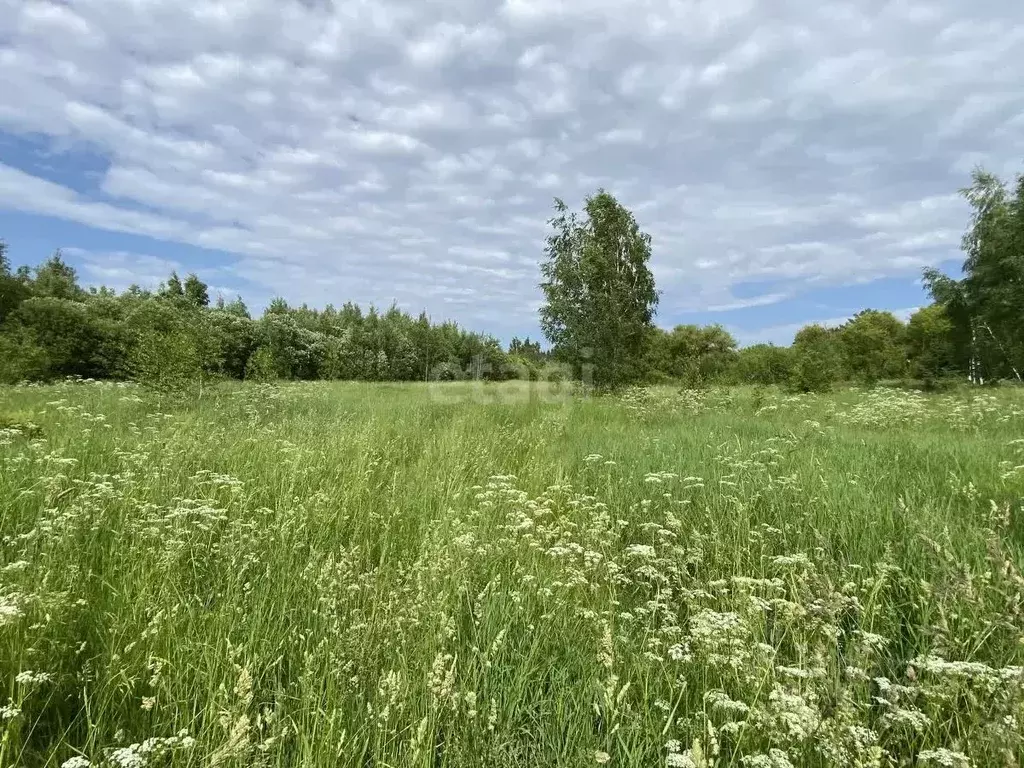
{"type": "Point", "coordinates": [396, 575]}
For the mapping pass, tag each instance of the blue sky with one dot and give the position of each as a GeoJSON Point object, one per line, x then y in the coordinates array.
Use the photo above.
{"type": "Point", "coordinates": [794, 162]}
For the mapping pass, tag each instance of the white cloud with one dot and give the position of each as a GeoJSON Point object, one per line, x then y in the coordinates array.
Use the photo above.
{"type": "Point", "coordinates": [782, 335]}
{"type": "Point", "coordinates": [757, 301]}
{"type": "Point", "coordinates": [120, 269]}
{"type": "Point", "coordinates": [395, 150]}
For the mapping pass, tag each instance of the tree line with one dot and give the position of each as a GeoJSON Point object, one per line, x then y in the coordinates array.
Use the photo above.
{"type": "Point", "coordinates": [51, 328]}
{"type": "Point", "coordinates": [598, 316]}
{"type": "Point", "coordinates": [601, 301]}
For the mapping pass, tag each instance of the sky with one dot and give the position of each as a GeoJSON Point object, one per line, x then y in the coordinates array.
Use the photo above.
{"type": "Point", "coordinates": [794, 161]}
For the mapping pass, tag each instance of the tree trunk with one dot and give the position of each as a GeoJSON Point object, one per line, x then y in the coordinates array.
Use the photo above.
{"type": "Point", "coordinates": [1002, 349]}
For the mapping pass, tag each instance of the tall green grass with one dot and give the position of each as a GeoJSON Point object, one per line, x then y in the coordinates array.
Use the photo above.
{"type": "Point", "coordinates": [469, 575]}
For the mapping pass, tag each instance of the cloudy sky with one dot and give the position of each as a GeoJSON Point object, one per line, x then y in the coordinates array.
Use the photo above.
{"type": "Point", "coordinates": [793, 160]}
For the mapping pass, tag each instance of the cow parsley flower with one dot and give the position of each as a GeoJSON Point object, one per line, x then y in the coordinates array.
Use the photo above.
{"type": "Point", "coordinates": [944, 757]}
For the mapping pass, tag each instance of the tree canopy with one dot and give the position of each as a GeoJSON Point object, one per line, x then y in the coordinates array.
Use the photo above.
{"type": "Point", "coordinates": [986, 306]}
{"type": "Point", "coordinates": [599, 291]}
{"type": "Point", "coordinates": [50, 327]}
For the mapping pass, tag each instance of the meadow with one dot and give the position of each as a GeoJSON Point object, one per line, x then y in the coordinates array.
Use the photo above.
{"type": "Point", "coordinates": [404, 576]}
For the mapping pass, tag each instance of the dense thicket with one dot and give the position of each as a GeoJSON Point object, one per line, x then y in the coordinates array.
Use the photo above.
{"type": "Point", "coordinates": [50, 327]}
{"type": "Point", "coordinates": [599, 312]}
{"type": "Point", "coordinates": [985, 309]}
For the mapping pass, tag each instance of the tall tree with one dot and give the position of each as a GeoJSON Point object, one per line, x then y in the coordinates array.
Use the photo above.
{"type": "Point", "coordinates": [56, 279]}
{"type": "Point", "coordinates": [173, 288]}
{"type": "Point", "coordinates": [986, 306]}
{"type": "Point", "coordinates": [930, 343]}
{"type": "Point", "coordinates": [951, 295]}
{"type": "Point", "coordinates": [599, 289]}
{"type": "Point", "coordinates": [526, 349]}
{"type": "Point", "coordinates": [874, 344]}
{"type": "Point", "coordinates": [196, 292]}
{"type": "Point", "coordinates": [994, 267]}
{"type": "Point", "coordinates": [13, 289]}
{"type": "Point", "coordinates": [817, 359]}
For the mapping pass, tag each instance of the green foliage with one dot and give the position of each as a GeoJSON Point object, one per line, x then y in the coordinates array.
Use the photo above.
{"type": "Point", "coordinates": [284, 347]}
{"type": "Point", "coordinates": [874, 346]}
{"type": "Point", "coordinates": [985, 308]}
{"type": "Point", "coordinates": [527, 355]}
{"type": "Point", "coordinates": [694, 355]}
{"type": "Point", "coordinates": [174, 339]}
{"type": "Point", "coordinates": [523, 368]}
{"type": "Point", "coordinates": [13, 289]}
{"type": "Point", "coordinates": [261, 365]}
{"type": "Point", "coordinates": [233, 336]}
{"type": "Point", "coordinates": [75, 341]}
{"type": "Point", "coordinates": [21, 358]}
{"type": "Point", "coordinates": [931, 346]}
{"type": "Point", "coordinates": [195, 292]}
{"type": "Point", "coordinates": [172, 289]}
{"type": "Point", "coordinates": [171, 350]}
{"type": "Point", "coordinates": [599, 291]}
{"type": "Point", "coordinates": [764, 364]}
{"type": "Point", "coordinates": [55, 279]}
{"type": "Point", "coordinates": [994, 268]}
{"type": "Point", "coordinates": [817, 359]}
{"type": "Point", "coordinates": [236, 307]}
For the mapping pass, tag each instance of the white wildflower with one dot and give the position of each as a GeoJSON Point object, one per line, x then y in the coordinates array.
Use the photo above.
{"type": "Point", "coordinates": [9, 610]}
{"type": "Point", "coordinates": [775, 758]}
{"type": "Point", "coordinates": [721, 702]}
{"type": "Point", "coordinates": [801, 673]}
{"type": "Point", "coordinates": [680, 760]}
{"type": "Point", "coordinates": [642, 551]}
{"type": "Point", "coordinates": [29, 677]}
{"type": "Point", "coordinates": [799, 560]}
{"type": "Point", "coordinates": [792, 714]}
{"type": "Point", "coordinates": [944, 757]}
{"type": "Point", "coordinates": [128, 757]}
{"type": "Point", "coordinates": [912, 719]}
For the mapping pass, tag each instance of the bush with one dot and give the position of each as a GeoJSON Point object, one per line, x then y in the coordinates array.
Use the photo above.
{"type": "Point", "coordinates": [260, 366]}
{"type": "Point", "coordinates": [21, 359]}
{"type": "Point", "coordinates": [817, 360]}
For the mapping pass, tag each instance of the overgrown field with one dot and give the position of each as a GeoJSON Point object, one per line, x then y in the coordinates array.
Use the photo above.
{"type": "Point", "coordinates": [397, 576]}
